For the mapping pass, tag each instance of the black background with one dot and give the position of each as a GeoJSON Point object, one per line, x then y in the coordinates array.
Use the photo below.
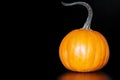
{"type": "Point", "coordinates": [37, 29]}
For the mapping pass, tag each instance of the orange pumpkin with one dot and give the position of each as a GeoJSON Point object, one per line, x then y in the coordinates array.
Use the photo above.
{"type": "Point", "coordinates": [84, 49]}
{"type": "Point", "coordinates": [84, 76]}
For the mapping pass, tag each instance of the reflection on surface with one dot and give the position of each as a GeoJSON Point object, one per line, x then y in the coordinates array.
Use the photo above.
{"type": "Point", "coordinates": [84, 76]}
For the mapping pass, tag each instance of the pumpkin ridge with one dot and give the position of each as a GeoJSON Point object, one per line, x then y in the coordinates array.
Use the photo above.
{"type": "Point", "coordinates": [71, 51]}
{"type": "Point", "coordinates": [102, 51]}
{"type": "Point", "coordinates": [64, 43]}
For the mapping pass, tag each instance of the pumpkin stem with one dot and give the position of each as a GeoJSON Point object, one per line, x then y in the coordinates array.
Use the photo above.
{"type": "Point", "coordinates": [90, 12]}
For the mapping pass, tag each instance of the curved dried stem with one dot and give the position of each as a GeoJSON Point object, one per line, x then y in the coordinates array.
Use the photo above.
{"type": "Point", "coordinates": [87, 24]}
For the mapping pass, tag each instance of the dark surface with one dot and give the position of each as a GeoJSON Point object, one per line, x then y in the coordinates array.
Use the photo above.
{"type": "Point", "coordinates": [32, 43]}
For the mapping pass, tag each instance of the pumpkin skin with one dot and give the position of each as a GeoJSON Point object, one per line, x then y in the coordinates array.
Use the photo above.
{"type": "Point", "coordinates": [84, 76]}
{"type": "Point", "coordinates": [84, 50]}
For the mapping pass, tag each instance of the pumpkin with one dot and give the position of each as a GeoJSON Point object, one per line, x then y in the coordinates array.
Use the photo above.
{"type": "Point", "coordinates": [84, 49]}
{"type": "Point", "coordinates": [84, 76]}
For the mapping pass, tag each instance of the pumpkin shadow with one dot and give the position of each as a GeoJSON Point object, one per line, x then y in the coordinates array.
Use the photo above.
{"type": "Point", "coordinates": [84, 76]}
